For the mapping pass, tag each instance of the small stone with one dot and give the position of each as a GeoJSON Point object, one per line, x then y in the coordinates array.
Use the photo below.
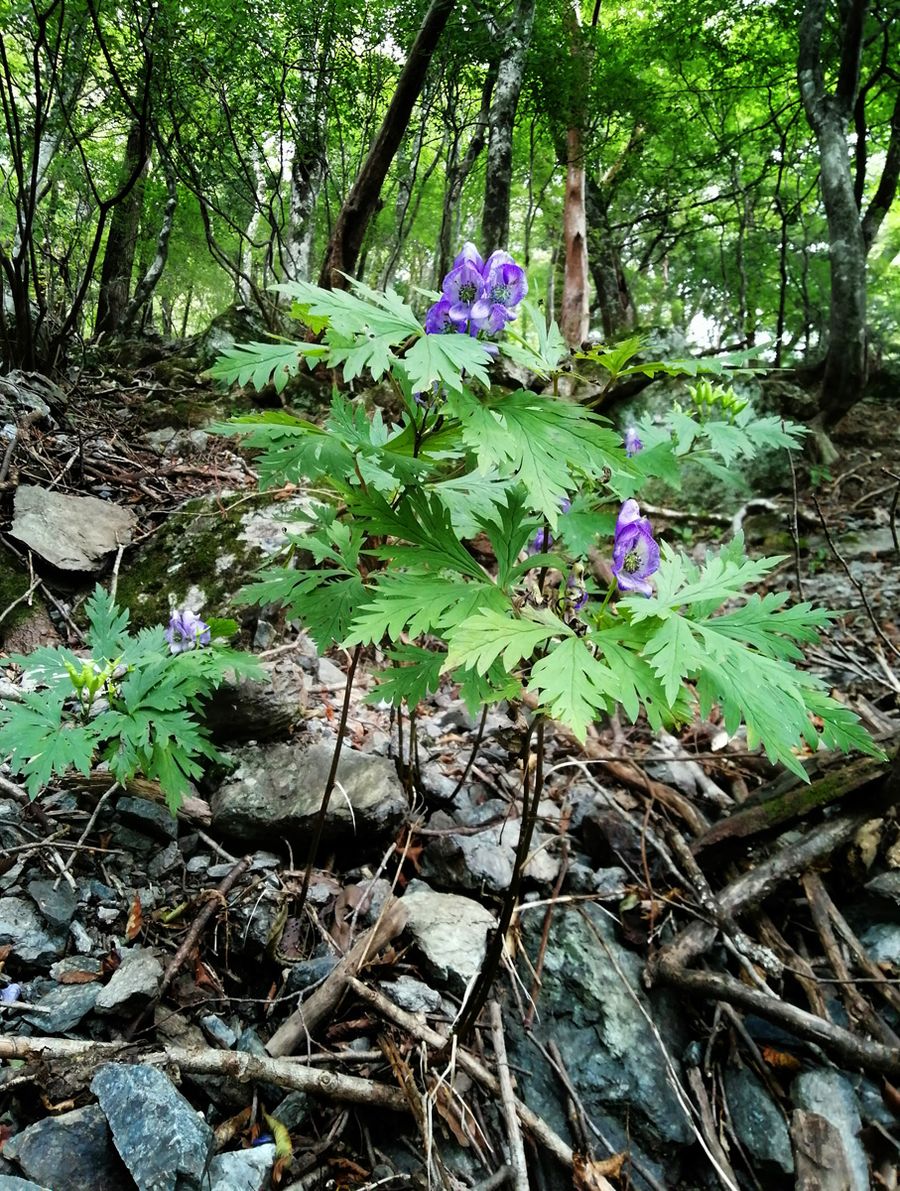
{"type": "Point", "coordinates": [157, 1133]}
{"type": "Point", "coordinates": [73, 533]}
{"type": "Point", "coordinates": [757, 1120]}
{"type": "Point", "coordinates": [308, 973]}
{"type": "Point", "coordinates": [412, 995]}
{"type": "Point", "coordinates": [11, 1183]}
{"type": "Point", "coordinates": [198, 864]}
{"type": "Point", "coordinates": [294, 1110]}
{"type": "Point", "coordinates": [886, 885]}
{"type": "Point", "coordinates": [241, 1170]}
{"type": "Point", "coordinates": [32, 941]}
{"type": "Point", "coordinates": [80, 937]}
{"type": "Point", "coordinates": [133, 985]}
{"type": "Point", "coordinates": [276, 790]}
{"type": "Point", "coordinates": [830, 1094]}
{"type": "Point", "coordinates": [72, 1152]}
{"type": "Point", "coordinates": [57, 904]}
{"type": "Point", "coordinates": [135, 843]}
{"type": "Point", "coordinates": [164, 862]}
{"type": "Point", "coordinates": [450, 931]}
{"type": "Point", "coordinates": [331, 676]}
{"type": "Point", "coordinates": [63, 1007]}
{"type": "Point", "coordinates": [218, 1032]}
{"type": "Point", "coordinates": [147, 817]}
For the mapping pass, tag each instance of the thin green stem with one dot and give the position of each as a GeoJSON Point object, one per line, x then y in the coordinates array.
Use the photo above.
{"type": "Point", "coordinates": [329, 782]}
{"type": "Point", "coordinates": [530, 800]}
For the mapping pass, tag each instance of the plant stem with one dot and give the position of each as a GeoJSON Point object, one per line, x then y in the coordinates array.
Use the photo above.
{"type": "Point", "coordinates": [329, 783]}
{"type": "Point", "coordinates": [494, 954]}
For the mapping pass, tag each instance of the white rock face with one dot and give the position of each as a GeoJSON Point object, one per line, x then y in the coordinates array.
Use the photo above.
{"type": "Point", "coordinates": [450, 931]}
{"type": "Point", "coordinates": [73, 533]}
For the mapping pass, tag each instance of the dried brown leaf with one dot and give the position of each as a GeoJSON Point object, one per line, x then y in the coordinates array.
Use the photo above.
{"type": "Point", "coordinates": [135, 923]}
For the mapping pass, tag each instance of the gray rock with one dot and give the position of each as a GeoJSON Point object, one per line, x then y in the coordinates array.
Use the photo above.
{"type": "Point", "coordinates": [594, 1006]}
{"type": "Point", "coordinates": [331, 676]}
{"type": "Point", "coordinates": [218, 1032]}
{"type": "Point", "coordinates": [63, 1007]}
{"type": "Point", "coordinates": [56, 903]}
{"type": "Point", "coordinates": [830, 1094]}
{"type": "Point", "coordinates": [412, 995]}
{"type": "Point", "coordinates": [758, 1123]}
{"type": "Point", "coordinates": [241, 1170]}
{"type": "Point", "coordinates": [169, 441]}
{"type": "Point", "coordinates": [157, 1133]}
{"type": "Point", "coordinates": [886, 885]}
{"type": "Point", "coordinates": [11, 1183]}
{"type": "Point", "coordinates": [882, 941]}
{"type": "Point", "coordinates": [133, 985]}
{"type": "Point", "coordinates": [72, 1152]}
{"type": "Point", "coordinates": [294, 1110]}
{"type": "Point", "coordinates": [483, 861]}
{"type": "Point", "coordinates": [872, 543]}
{"type": "Point", "coordinates": [73, 533]}
{"type": "Point", "coordinates": [148, 817]}
{"type": "Point", "coordinates": [163, 862]}
{"type": "Point", "coordinates": [277, 790]}
{"type": "Point", "coordinates": [31, 939]}
{"type": "Point", "coordinates": [450, 932]}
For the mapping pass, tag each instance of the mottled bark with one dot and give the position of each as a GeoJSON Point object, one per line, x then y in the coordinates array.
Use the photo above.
{"type": "Point", "coordinates": [360, 204]}
{"type": "Point", "coordinates": [498, 174]}
{"type": "Point", "coordinates": [828, 114]}
{"type": "Point", "coordinates": [121, 242]}
{"type": "Point", "coordinates": [144, 289]}
{"type": "Point", "coordinates": [573, 320]}
{"type": "Point", "coordinates": [617, 312]}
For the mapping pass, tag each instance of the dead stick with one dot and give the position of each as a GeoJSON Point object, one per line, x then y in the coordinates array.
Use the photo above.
{"type": "Point", "coordinates": [857, 1006]}
{"type": "Point", "coordinates": [537, 1127]}
{"type": "Point", "coordinates": [325, 1000]}
{"type": "Point", "coordinates": [286, 1073]}
{"type": "Point", "coordinates": [507, 1101]}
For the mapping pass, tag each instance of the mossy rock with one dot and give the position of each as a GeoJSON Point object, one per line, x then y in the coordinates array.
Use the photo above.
{"type": "Point", "coordinates": [14, 581]}
{"type": "Point", "coordinates": [203, 555]}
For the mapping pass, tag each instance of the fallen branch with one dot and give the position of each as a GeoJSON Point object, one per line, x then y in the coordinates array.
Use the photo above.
{"type": "Point", "coordinates": [536, 1126]}
{"type": "Point", "coordinates": [325, 1000]}
{"type": "Point", "coordinates": [245, 1068]}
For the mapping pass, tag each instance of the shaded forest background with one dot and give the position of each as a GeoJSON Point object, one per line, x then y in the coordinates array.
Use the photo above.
{"type": "Point", "coordinates": [723, 175]}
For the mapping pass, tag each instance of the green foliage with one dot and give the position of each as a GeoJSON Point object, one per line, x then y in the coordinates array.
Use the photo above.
{"type": "Point", "coordinates": [130, 703]}
{"type": "Point", "coordinates": [453, 539]}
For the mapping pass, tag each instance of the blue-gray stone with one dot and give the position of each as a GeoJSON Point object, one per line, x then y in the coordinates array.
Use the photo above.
{"type": "Point", "coordinates": [148, 817]}
{"type": "Point", "coordinates": [158, 1134]}
{"type": "Point", "coordinates": [56, 904]}
{"type": "Point", "coordinates": [757, 1121]}
{"type": "Point", "coordinates": [72, 1152]}
{"type": "Point", "coordinates": [63, 1007]}
{"type": "Point", "coordinates": [241, 1170]}
{"type": "Point", "coordinates": [133, 985]}
{"type": "Point", "coordinates": [830, 1094]}
{"type": "Point", "coordinates": [32, 940]}
{"type": "Point", "coordinates": [11, 1183]}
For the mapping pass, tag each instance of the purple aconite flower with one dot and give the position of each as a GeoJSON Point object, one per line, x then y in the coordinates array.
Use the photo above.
{"type": "Point", "coordinates": [465, 289]}
{"type": "Point", "coordinates": [505, 281]}
{"type": "Point", "coordinates": [632, 443]}
{"type": "Point", "coordinates": [471, 254]}
{"type": "Point", "coordinates": [186, 631]}
{"type": "Point", "coordinates": [543, 539]}
{"type": "Point", "coordinates": [438, 319]}
{"type": "Point", "coordinates": [576, 595]}
{"type": "Point", "coordinates": [635, 553]}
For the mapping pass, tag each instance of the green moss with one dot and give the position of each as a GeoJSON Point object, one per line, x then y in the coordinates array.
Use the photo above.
{"type": "Point", "coordinates": [198, 550]}
{"type": "Point", "coordinates": [14, 581]}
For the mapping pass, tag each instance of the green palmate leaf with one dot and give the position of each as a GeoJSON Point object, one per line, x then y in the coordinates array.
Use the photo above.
{"type": "Point", "coordinates": [482, 639]}
{"type": "Point", "coordinates": [508, 529]}
{"type": "Point", "coordinates": [294, 449]}
{"type": "Point", "coordinates": [472, 498]}
{"type": "Point", "coordinates": [416, 673]}
{"type": "Point", "coordinates": [442, 360]}
{"type": "Point", "coordinates": [477, 689]}
{"type": "Point", "coordinates": [260, 363]}
{"type": "Point", "coordinates": [551, 350]}
{"type": "Point", "coordinates": [637, 684]}
{"type": "Point", "coordinates": [544, 442]}
{"type": "Point", "coordinates": [417, 603]}
{"type": "Point", "coordinates": [325, 601]}
{"type": "Point", "coordinates": [38, 744]}
{"type": "Point", "coordinates": [673, 653]}
{"type": "Point", "coordinates": [574, 686]}
{"type": "Point", "coordinates": [358, 311]}
{"type": "Point", "coordinates": [424, 532]}
{"type": "Point", "coordinates": [107, 625]}
{"type": "Point", "coordinates": [583, 524]}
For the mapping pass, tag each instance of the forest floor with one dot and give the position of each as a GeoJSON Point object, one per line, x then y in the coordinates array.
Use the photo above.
{"type": "Point", "coordinates": [701, 989]}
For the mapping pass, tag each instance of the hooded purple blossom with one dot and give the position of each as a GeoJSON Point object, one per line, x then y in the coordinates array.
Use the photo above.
{"type": "Point", "coordinates": [438, 319]}
{"type": "Point", "coordinates": [471, 254]}
{"type": "Point", "coordinates": [186, 631]}
{"type": "Point", "coordinates": [632, 443]}
{"type": "Point", "coordinates": [464, 287]}
{"type": "Point", "coordinates": [505, 282]}
{"type": "Point", "coordinates": [635, 553]}
{"type": "Point", "coordinates": [543, 539]}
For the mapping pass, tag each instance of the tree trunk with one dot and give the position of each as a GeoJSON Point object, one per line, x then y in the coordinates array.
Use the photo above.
{"type": "Point", "coordinates": [360, 204]}
{"type": "Point", "coordinates": [145, 287]}
{"type": "Point", "coordinates": [458, 171]}
{"type": "Point", "coordinates": [121, 242]}
{"type": "Point", "coordinates": [617, 311]}
{"type": "Point", "coordinates": [574, 311]}
{"type": "Point", "coordinates": [828, 115]}
{"type": "Point", "coordinates": [498, 175]}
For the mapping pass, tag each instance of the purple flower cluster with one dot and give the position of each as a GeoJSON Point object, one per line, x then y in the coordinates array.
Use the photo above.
{"type": "Point", "coordinates": [478, 295]}
{"type": "Point", "coordinates": [635, 553]}
{"type": "Point", "coordinates": [186, 631]}
{"type": "Point", "coordinates": [632, 443]}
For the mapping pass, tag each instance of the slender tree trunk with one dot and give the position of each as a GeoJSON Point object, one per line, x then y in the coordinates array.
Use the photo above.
{"type": "Point", "coordinates": [828, 116]}
{"type": "Point", "coordinates": [458, 171]}
{"type": "Point", "coordinates": [360, 204]}
{"type": "Point", "coordinates": [498, 175]}
{"type": "Point", "coordinates": [575, 307]}
{"type": "Point", "coordinates": [121, 242]}
{"type": "Point", "coordinates": [245, 286]}
{"type": "Point", "coordinates": [617, 311]}
{"type": "Point", "coordinates": [144, 290]}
